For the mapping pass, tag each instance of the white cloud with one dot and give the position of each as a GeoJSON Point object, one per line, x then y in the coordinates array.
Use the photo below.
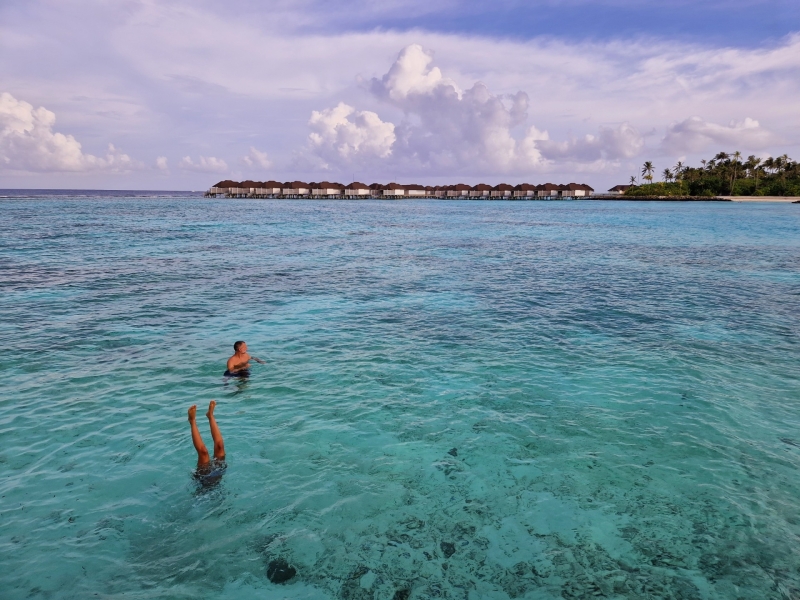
{"type": "Point", "coordinates": [162, 164]}
{"type": "Point", "coordinates": [343, 133]}
{"type": "Point", "coordinates": [450, 128]}
{"type": "Point", "coordinates": [447, 129]}
{"type": "Point", "coordinates": [647, 82]}
{"type": "Point", "coordinates": [28, 143]}
{"type": "Point", "coordinates": [611, 143]}
{"type": "Point", "coordinates": [256, 158]}
{"type": "Point", "coordinates": [205, 164]}
{"type": "Point", "coordinates": [411, 74]}
{"type": "Point", "coordinates": [261, 85]}
{"type": "Point", "coordinates": [695, 135]}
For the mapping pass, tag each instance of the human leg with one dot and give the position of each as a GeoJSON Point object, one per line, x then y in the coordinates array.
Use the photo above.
{"type": "Point", "coordinates": [202, 451]}
{"type": "Point", "coordinates": [219, 444]}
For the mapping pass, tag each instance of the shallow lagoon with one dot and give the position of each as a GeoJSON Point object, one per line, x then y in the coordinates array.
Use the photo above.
{"type": "Point", "coordinates": [463, 399]}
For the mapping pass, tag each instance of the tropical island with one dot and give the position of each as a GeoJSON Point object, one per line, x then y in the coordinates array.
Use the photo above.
{"type": "Point", "coordinates": [721, 178]}
{"type": "Point", "coordinates": [724, 175]}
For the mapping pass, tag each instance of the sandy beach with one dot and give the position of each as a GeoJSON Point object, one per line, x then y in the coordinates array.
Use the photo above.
{"type": "Point", "coordinates": [761, 198]}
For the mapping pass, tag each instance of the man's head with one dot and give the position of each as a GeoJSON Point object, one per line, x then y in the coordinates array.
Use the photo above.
{"type": "Point", "coordinates": [239, 347]}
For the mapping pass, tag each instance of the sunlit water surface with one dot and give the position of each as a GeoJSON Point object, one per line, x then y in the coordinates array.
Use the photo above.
{"type": "Point", "coordinates": [461, 399]}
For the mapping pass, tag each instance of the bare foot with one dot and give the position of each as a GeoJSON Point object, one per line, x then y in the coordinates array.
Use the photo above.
{"type": "Point", "coordinates": [211, 406]}
{"type": "Point", "coordinates": [192, 412]}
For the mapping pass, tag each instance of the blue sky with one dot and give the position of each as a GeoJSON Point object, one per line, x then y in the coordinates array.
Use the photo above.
{"type": "Point", "coordinates": [176, 95]}
{"type": "Point", "coordinates": [743, 23]}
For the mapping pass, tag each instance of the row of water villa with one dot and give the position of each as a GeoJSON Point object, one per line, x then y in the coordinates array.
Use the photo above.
{"type": "Point", "coordinates": [327, 189]}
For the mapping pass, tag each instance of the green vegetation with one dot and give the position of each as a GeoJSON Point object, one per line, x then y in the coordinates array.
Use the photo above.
{"type": "Point", "coordinates": [724, 175]}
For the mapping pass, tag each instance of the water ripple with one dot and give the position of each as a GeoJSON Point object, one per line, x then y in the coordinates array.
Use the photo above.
{"type": "Point", "coordinates": [462, 399]}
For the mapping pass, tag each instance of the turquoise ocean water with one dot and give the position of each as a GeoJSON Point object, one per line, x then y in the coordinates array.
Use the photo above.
{"type": "Point", "coordinates": [461, 399]}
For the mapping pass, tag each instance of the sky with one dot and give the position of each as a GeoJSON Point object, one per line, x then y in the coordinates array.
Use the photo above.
{"type": "Point", "coordinates": [149, 94]}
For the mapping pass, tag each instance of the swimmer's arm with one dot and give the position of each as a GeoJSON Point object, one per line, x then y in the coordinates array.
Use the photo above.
{"type": "Point", "coordinates": [258, 360]}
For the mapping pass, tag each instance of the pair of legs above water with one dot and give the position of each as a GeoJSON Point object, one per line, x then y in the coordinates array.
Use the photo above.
{"type": "Point", "coordinates": [203, 457]}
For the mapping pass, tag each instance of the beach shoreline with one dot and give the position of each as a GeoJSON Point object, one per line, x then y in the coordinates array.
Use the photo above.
{"type": "Point", "coordinates": [761, 198]}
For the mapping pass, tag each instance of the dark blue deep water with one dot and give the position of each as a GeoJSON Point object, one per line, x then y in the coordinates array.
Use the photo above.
{"type": "Point", "coordinates": [461, 399]}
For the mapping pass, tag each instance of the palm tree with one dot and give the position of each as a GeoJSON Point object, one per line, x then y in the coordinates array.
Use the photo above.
{"type": "Point", "coordinates": [786, 164]}
{"type": "Point", "coordinates": [780, 174]}
{"type": "Point", "coordinates": [777, 164]}
{"type": "Point", "coordinates": [753, 164]}
{"type": "Point", "coordinates": [633, 179]}
{"type": "Point", "coordinates": [736, 156]}
{"type": "Point", "coordinates": [749, 165]}
{"type": "Point", "coordinates": [647, 171]}
{"type": "Point", "coordinates": [679, 174]}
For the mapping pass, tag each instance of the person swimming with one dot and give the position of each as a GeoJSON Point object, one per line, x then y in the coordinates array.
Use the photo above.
{"type": "Point", "coordinates": [209, 472]}
{"type": "Point", "coordinates": [239, 364]}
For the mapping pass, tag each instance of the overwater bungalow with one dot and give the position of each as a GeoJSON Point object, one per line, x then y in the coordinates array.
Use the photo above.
{"type": "Point", "coordinates": [524, 190]}
{"type": "Point", "coordinates": [356, 190]}
{"type": "Point", "coordinates": [270, 189]}
{"type": "Point", "coordinates": [295, 189]}
{"type": "Point", "coordinates": [619, 189]}
{"type": "Point", "coordinates": [415, 191]}
{"type": "Point", "coordinates": [393, 190]}
{"type": "Point", "coordinates": [482, 190]}
{"type": "Point", "coordinates": [459, 190]}
{"type": "Point", "coordinates": [239, 190]}
{"type": "Point", "coordinates": [577, 190]}
{"type": "Point", "coordinates": [440, 191]}
{"type": "Point", "coordinates": [501, 191]}
{"type": "Point", "coordinates": [326, 189]}
{"type": "Point", "coordinates": [222, 188]}
{"type": "Point", "coordinates": [248, 187]}
{"type": "Point", "coordinates": [547, 190]}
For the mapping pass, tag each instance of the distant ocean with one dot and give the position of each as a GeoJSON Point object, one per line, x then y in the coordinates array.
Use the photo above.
{"type": "Point", "coordinates": [461, 399]}
{"type": "Point", "coordinates": [95, 194]}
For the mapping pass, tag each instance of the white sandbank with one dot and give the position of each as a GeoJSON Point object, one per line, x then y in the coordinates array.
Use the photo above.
{"type": "Point", "coordinates": [761, 198]}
